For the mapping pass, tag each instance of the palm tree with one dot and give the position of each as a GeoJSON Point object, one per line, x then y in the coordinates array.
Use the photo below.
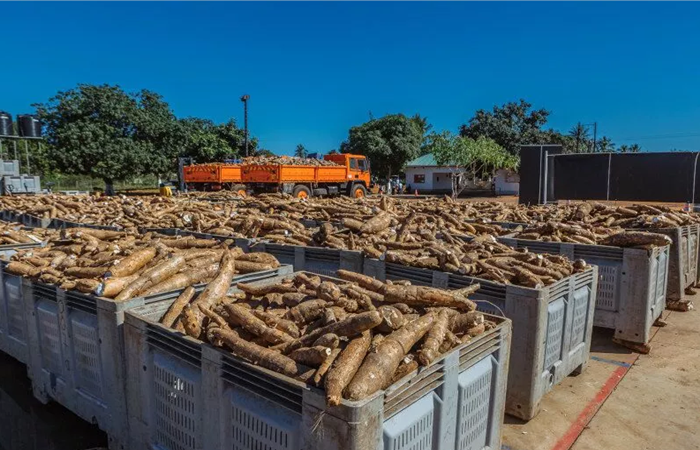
{"type": "Point", "coordinates": [300, 151]}
{"type": "Point", "coordinates": [605, 145]}
{"type": "Point", "coordinates": [624, 148]}
{"type": "Point", "coordinates": [635, 148]}
{"type": "Point", "coordinates": [579, 133]}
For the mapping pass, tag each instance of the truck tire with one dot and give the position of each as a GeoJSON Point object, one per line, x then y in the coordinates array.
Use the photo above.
{"type": "Point", "coordinates": [301, 191]}
{"type": "Point", "coordinates": [239, 189]}
{"type": "Point", "coordinates": [358, 191]}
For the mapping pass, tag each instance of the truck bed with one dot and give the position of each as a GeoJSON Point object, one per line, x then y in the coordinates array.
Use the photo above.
{"type": "Point", "coordinates": [278, 173]}
{"type": "Point", "coordinates": [213, 173]}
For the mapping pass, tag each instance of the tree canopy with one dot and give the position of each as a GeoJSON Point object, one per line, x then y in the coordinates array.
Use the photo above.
{"type": "Point", "coordinates": [389, 142]}
{"type": "Point", "coordinates": [107, 133]}
{"type": "Point", "coordinates": [510, 125]}
{"type": "Point", "coordinates": [477, 158]}
{"type": "Point", "coordinates": [515, 123]}
{"type": "Point", "coordinates": [206, 141]}
{"type": "Point", "coordinates": [104, 132]}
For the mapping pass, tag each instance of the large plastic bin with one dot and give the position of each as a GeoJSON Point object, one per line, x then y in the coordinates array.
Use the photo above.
{"type": "Point", "coordinates": [683, 260]}
{"type": "Point", "coordinates": [243, 243]}
{"type": "Point", "coordinates": [9, 216]}
{"type": "Point", "coordinates": [631, 283]}
{"type": "Point", "coordinates": [61, 224]}
{"type": "Point", "coordinates": [36, 222]}
{"type": "Point", "coordinates": [13, 320]}
{"type": "Point", "coordinates": [20, 184]}
{"type": "Point", "coordinates": [7, 250]}
{"type": "Point", "coordinates": [318, 260]}
{"type": "Point", "coordinates": [76, 351]}
{"type": "Point", "coordinates": [552, 326]}
{"type": "Point", "coordinates": [189, 395]}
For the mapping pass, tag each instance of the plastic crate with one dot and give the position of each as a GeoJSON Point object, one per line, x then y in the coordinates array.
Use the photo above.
{"type": "Point", "coordinates": [10, 216]}
{"type": "Point", "coordinates": [631, 283]}
{"type": "Point", "coordinates": [696, 244]}
{"type": "Point", "coordinates": [318, 260]}
{"type": "Point", "coordinates": [505, 225]}
{"type": "Point", "coordinates": [189, 395]}
{"type": "Point", "coordinates": [35, 222]}
{"type": "Point", "coordinates": [76, 351]}
{"type": "Point", "coordinates": [7, 250]}
{"type": "Point", "coordinates": [552, 326]}
{"type": "Point", "coordinates": [62, 224]}
{"type": "Point", "coordinates": [13, 321]}
{"type": "Point", "coordinates": [683, 260]}
{"type": "Point", "coordinates": [243, 243]}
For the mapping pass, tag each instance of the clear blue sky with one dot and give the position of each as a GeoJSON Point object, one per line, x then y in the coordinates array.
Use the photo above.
{"type": "Point", "coordinates": [315, 69]}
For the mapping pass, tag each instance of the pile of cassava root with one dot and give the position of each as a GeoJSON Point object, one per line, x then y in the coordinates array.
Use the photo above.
{"type": "Point", "coordinates": [286, 160]}
{"type": "Point", "coordinates": [584, 233]}
{"type": "Point", "coordinates": [128, 213]}
{"type": "Point", "coordinates": [353, 338]}
{"type": "Point", "coordinates": [15, 233]}
{"type": "Point", "coordinates": [122, 266]}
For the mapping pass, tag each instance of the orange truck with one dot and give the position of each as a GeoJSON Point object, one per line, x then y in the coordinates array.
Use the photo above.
{"type": "Point", "coordinates": [350, 177]}
{"type": "Point", "coordinates": [214, 177]}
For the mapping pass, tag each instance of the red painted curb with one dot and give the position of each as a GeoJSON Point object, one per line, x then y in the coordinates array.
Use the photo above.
{"type": "Point", "coordinates": [576, 428]}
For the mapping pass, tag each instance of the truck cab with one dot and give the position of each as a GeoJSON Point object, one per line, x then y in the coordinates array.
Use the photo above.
{"type": "Point", "coordinates": [357, 169]}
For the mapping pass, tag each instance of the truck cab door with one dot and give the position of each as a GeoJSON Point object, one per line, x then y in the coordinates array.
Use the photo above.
{"type": "Point", "coordinates": [363, 170]}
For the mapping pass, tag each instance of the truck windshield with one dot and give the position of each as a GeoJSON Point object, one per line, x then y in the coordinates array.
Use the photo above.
{"type": "Point", "coordinates": [362, 164]}
{"type": "Point", "coordinates": [353, 163]}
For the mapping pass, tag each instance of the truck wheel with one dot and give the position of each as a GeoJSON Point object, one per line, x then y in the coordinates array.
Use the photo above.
{"type": "Point", "coordinates": [301, 191]}
{"type": "Point", "coordinates": [239, 189]}
{"type": "Point", "coordinates": [358, 191]}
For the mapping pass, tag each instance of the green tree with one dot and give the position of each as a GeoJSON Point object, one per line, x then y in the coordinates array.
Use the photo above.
{"type": "Point", "coordinates": [235, 138]}
{"type": "Point", "coordinates": [477, 159]}
{"type": "Point", "coordinates": [106, 133]}
{"type": "Point", "coordinates": [388, 142]}
{"type": "Point", "coordinates": [510, 125]}
{"type": "Point", "coordinates": [300, 151]}
{"type": "Point", "coordinates": [567, 143]}
{"type": "Point", "coordinates": [605, 145]}
{"type": "Point", "coordinates": [579, 133]}
{"type": "Point", "coordinates": [206, 141]}
{"type": "Point", "coordinates": [624, 148]}
{"type": "Point", "coordinates": [264, 152]}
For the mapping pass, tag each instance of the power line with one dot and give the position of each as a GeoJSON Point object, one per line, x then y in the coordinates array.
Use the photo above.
{"type": "Point", "coordinates": [663, 136]}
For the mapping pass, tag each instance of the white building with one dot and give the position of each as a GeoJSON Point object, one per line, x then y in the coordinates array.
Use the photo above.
{"type": "Point", "coordinates": [425, 175]}
{"type": "Point", "coordinates": [507, 182]}
{"type": "Point", "coordinates": [428, 177]}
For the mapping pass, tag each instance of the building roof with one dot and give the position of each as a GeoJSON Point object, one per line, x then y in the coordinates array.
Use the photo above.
{"type": "Point", "coordinates": [424, 161]}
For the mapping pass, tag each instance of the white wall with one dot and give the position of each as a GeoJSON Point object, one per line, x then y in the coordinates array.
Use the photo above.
{"type": "Point", "coordinates": [442, 180]}
{"type": "Point", "coordinates": [436, 178]}
{"type": "Point", "coordinates": [427, 172]}
{"type": "Point", "coordinates": [507, 182]}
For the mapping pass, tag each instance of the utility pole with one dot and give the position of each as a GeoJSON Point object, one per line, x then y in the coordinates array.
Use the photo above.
{"type": "Point", "coordinates": [244, 99]}
{"type": "Point", "coordinates": [595, 135]}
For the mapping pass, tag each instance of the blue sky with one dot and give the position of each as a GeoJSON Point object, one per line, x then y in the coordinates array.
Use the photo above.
{"type": "Point", "coordinates": [315, 69]}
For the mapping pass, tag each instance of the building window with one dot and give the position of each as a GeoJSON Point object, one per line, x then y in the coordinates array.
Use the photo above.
{"type": "Point", "coordinates": [419, 178]}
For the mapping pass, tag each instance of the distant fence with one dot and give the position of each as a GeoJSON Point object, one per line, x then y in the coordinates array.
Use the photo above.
{"type": "Point", "coordinates": [547, 175]}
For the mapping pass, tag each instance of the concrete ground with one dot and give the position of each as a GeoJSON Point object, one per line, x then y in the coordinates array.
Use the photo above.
{"type": "Point", "coordinates": [624, 400]}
